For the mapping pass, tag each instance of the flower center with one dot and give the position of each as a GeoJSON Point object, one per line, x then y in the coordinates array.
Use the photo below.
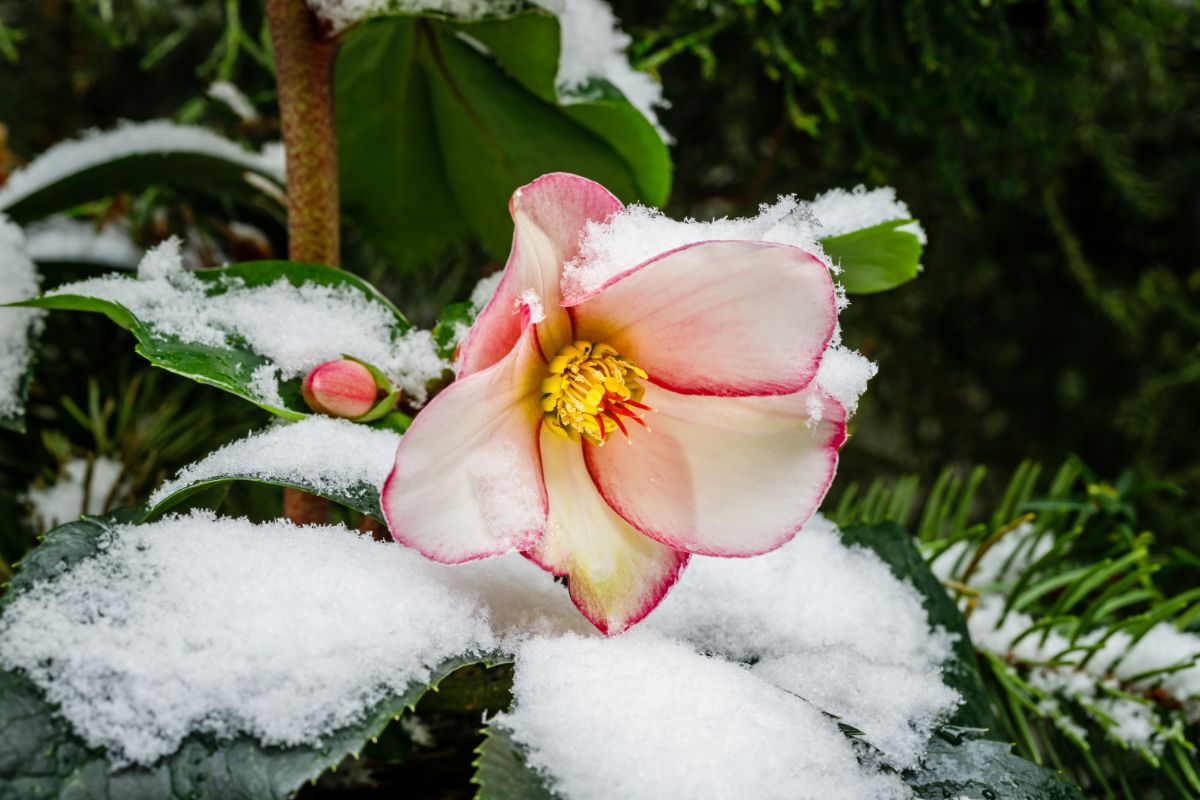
{"type": "Point", "coordinates": [591, 391]}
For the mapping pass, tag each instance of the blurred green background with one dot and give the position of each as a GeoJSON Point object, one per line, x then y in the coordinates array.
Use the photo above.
{"type": "Point", "coordinates": [1051, 150]}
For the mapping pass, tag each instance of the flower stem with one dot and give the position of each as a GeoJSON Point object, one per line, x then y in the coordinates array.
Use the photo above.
{"type": "Point", "coordinates": [304, 80]}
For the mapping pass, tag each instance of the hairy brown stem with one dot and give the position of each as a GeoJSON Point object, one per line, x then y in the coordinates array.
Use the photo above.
{"type": "Point", "coordinates": [304, 79]}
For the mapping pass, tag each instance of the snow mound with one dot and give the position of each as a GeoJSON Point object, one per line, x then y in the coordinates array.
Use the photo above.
{"type": "Point", "coordinates": [642, 718]}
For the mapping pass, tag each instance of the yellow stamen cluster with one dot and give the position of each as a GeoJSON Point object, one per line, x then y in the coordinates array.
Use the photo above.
{"type": "Point", "coordinates": [592, 391]}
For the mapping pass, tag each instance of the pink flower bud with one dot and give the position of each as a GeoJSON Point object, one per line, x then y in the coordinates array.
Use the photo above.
{"type": "Point", "coordinates": [340, 389]}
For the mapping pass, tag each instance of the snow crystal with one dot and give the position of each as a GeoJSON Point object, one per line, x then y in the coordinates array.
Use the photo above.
{"type": "Point", "coordinates": [63, 501]}
{"type": "Point", "coordinates": [839, 211]}
{"type": "Point", "coordinates": [218, 625]}
{"type": "Point", "coordinates": [330, 455]}
{"type": "Point", "coordinates": [815, 602]}
{"type": "Point", "coordinates": [63, 239]}
{"type": "Point", "coordinates": [593, 46]}
{"type": "Point", "coordinates": [644, 717]}
{"type": "Point", "coordinates": [96, 147]}
{"type": "Point", "coordinates": [233, 97]}
{"type": "Point", "coordinates": [844, 374]}
{"type": "Point", "coordinates": [296, 328]}
{"type": "Point", "coordinates": [18, 281]}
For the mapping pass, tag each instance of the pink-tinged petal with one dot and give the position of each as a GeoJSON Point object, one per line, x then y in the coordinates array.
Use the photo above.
{"type": "Point", "coordinates": [722, 476]}
{"type": "Point", "coordinates": [549, 216]}
{"type": "Point", "coordinates": [718, 318]}
{"type": "Point", "coordinates": [615, 575]}
{"type": "Point", "coordinates": [467, 482]}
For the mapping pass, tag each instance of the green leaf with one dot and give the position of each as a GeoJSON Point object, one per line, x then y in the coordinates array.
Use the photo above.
{"type": "Point", "coordinates": [959, 765]}
{"type": "Point", "coordinates": [229, 368]}
{"type": "Point", "coordinates": [40, 756]}
{"type": "Point", "coordinates": [875, 259]}
{"type": "Point", "coordinates": [501, 772]}
{"type": "Point", "coordinates": [454, 318]}
{"type": "Point", "coordinates": [199, 160]}
{"type": "Point", "coordinates": [435, 135]}
{"type": "Point", "coordinates": [893, 544]}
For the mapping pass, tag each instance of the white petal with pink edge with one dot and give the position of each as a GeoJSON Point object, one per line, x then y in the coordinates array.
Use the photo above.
{"type": "Point", "coordinates": [615, 574]}
{"type": "Point", "coordinates": [722, 476]}
{"type": "Point", "coordinates": [718, 318]}
{"type": "Point", "coordinates": [549, 217]}
{"type": "Point", "coordinates": [467, 482]}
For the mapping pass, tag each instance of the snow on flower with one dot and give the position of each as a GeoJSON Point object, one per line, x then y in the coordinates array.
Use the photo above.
{"type": "Point", "coordinates": [611, 433]}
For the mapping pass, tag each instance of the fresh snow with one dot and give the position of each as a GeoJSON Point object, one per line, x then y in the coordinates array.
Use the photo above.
{"type": "Point", "coordinates": [234, 99]}
{"type": "Point", "coordinates": [97, 147]}
{"type": "Point", "coordinates": [829, 623]}
{"type": "Point", "coordinates": [206, 628]}
{"type": "Point", "coordinates": [643, 717]}
{"type": "Point", "coordinates": [593, 46]}
{"type": "Point", "coordinates": [64, 500]}
{"type": "Point", "coordinates": [64, 239]}
{"type": "Point", "coordinates": [327, 454]}
{"type": "Point", "coordinates": [18, 281]}
{"type": "Point", "coordinates": [840, 211]}
{"type": "Point", "coordinates": [295, 328]}
{"type": "Point", "coordinates": [220, 626]}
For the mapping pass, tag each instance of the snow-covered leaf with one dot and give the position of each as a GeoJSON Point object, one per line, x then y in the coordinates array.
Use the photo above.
{"type": "Point", "coordinates": [961, 672]}
{"type": "Point", "coordinates": [20, 329]}
{"type": "Point", "coordinates": [461, 113]}
{"type": "Point", "coordinates": [40, 755]}
{"type": "Point", "coordinates": [134, 156]}
{"type": "Point", "coordinates": [179, 330]}
{"type": "Point", "coordinates": [340, 460]}
{"type": "Point", "coordinates": [877, 258]}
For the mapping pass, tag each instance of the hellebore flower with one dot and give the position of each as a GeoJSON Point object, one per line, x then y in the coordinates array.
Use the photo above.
{"type": "Point", "coordinates": [609, 435]}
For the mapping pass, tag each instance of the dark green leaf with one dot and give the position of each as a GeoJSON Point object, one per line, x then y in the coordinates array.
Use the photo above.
{"type": "Point", "coordinates": [501, 772]}
{"type": "Point", "coordinates": [959, 765]}
{"type": "Point", "coordinates": [875, 259]}
{"type": "Point", "coordinates": [229, 368]}
{"type": "Point", "coordinates": [893, 544]}
{"type": "Point", "coordinates": [434, 135]}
